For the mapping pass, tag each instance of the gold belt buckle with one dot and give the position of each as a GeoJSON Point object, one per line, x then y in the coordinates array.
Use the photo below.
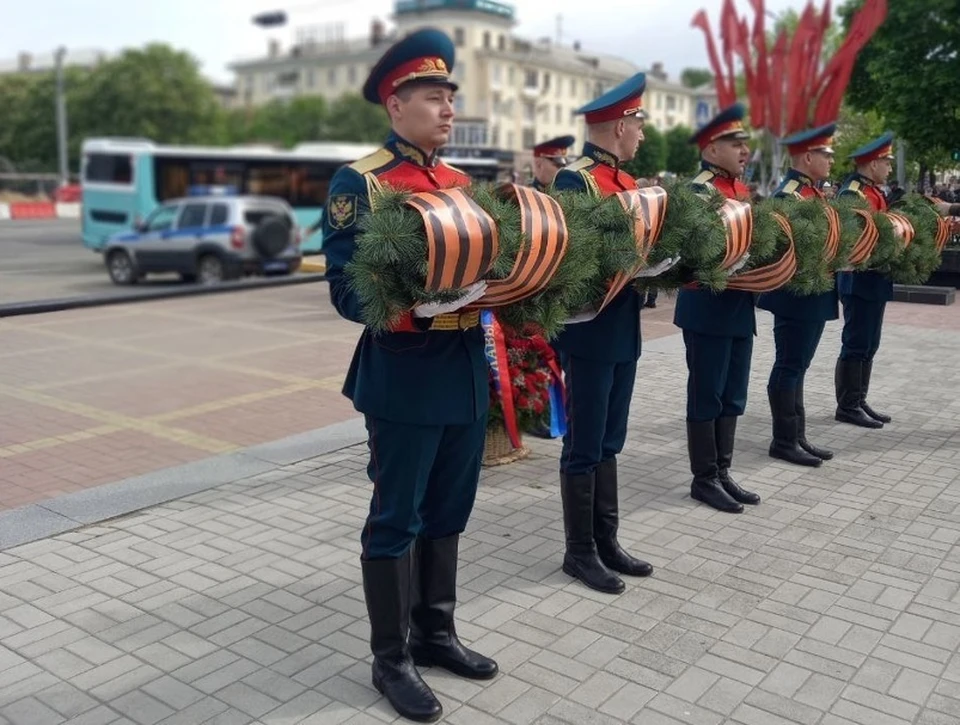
{"type": "Point", "coordinates": [469, 319]}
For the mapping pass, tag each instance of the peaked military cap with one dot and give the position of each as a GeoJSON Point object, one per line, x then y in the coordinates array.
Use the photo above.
{"type": "Point", "coordinates": [726, 124]}
{"type": "Point", "coordinates": [555, 148]}
{"type": "Point", "coordinates": [425, 56]}
{"type": "Point", "coordinates": [619, 102]}
{"type": "Point", "coordinates": [879, 148]}
{"type": "Point", "coordinates": [813, 139]}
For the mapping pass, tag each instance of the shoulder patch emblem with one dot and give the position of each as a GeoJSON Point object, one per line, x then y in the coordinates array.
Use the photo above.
{"type": "Point", "coordinates": [342, 209]}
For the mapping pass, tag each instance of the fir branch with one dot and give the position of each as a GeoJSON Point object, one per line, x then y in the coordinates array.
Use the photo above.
{"type": "Point", "coordinates": [889, 246]}
{"type": "Point", "coordinates": [921, 258]}
{"type": "Point", "coordinates": [810, 227]}
{"type": "Point", "coordinates": [851, 227]}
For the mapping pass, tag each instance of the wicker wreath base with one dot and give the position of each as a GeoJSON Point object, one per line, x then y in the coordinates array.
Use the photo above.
{"type": "Point", "coordinates": [498, 450]}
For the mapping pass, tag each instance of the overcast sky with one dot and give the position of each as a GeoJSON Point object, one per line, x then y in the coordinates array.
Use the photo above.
{"type": "Point", "coordinates": [219, 31]}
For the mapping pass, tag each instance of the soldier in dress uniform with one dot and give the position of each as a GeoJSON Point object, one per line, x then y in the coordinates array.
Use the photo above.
{"type": "Point", "coordinates": [864, 295]}
{"type": "Point", "coordinates": [548, 158]}
{"type": "Point", "coordinates": [599, 358]}
{"type": "Point", "coordinates": [718, 330]}
{"type": "Point", "coordinates": [422, 388]}
{"type": "Point", "coordinates": [798, 320]}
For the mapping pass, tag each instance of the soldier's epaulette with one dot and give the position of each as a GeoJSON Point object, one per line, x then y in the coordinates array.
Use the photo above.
{"type": "Point", "coordinates": [371, 162]}
{"type": "Point", "coordinates": [367, 168]}
{"type": "Point", "coordinates": [791, 187]}
{"type": "Point", "coordinates": [584, 162]}
{"type": "Point", "coordinates": [854, 187]}
{"type": "Point", "coordinates": [582, 167]}
{"type": "Point", "coordinates": [704, 178]}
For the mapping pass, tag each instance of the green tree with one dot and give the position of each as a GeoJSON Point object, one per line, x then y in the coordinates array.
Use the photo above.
{"type": "Point", "coordinates": [682, 156]}
{"type": "Point", "coordinates": [28, 125]}
{"type": "Point", "coordinates": [651, 157]}
{"type": "Point", "coordinates": [353, 119]}
{"type": "Point", "coordinates": [854, 129]}
{"type": "Point", "coordinates": [155, 92]}
{"type": "Point", "coordinates": [696, 77]}
{"type": "Point", "coordinates": [282, 122]}
{"type": "Point", "coordinates": [910, 71]}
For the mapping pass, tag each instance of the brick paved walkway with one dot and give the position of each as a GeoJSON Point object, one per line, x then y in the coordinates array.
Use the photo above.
{"type": "Point", "coordinates": [97, 395]}
{"type": "Point", "coordinates": [835, 602]}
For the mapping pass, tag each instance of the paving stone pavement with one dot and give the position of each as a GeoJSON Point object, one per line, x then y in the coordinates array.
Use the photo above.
{"type": "Point", "coordinates": [836, 602]}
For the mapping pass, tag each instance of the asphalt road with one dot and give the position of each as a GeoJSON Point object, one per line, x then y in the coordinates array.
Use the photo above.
{"type": "Point", "coordinates": [46, 259]}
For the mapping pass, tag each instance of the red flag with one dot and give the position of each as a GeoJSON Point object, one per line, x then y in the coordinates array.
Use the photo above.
{"type": "Point", "coordinates": [725, 96]}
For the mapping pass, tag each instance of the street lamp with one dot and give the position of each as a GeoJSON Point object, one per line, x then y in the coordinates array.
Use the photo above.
{"type": "Point", "coordinates": [61, 117]}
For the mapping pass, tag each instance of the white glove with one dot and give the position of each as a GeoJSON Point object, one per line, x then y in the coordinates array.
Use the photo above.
{"type": "Point", "coordinates": [659, 268]}
{"type": "Point", "coordinates": [848, 268]}
{"type": "Point", "coordinates": [739, 264]}
{"type": "Point", "coordinates": [470, 294]}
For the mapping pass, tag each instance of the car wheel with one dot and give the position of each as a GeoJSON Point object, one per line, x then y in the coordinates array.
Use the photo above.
{"type": "Point", "coordinates": [210, 269]}
{"type": "Point", "coordinates": [121, 269]}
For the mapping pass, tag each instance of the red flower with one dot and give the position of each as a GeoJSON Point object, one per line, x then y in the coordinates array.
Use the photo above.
{"type": "Point", "coordinates": [538, 407]}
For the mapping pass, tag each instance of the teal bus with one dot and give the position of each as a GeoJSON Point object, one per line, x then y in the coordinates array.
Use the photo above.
{"type": "Point", "coordinates": [124, 179]}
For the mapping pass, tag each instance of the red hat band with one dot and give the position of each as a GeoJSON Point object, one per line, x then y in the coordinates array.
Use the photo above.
{"type": "Point", "coordinates": [550, 151]}
{"type": "Point", "coordinates": [723, 129]}
{"type": "Point", "coordinates": [413, 70]}
{"type": "Point", "coordinates": [881, 153]}
{"type": "Point", "coordinates": [813, 144]}
{"type": "Point", "coordinates": [626, 107]}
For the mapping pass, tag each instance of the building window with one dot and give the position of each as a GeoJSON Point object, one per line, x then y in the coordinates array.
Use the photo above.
{"type": "Point", "coordinates": [573, 87]}
{"type": "Point", "coordinates": [529, 111]}
{"type": "Point", "coordinates": [501, 42]}
{"type": "Point", "coordinates": [529, 138]}
{"type": "Point", "coordinates": [458, 37]}
{"type": "Point", "coordinates": [486, 38]}
{"type": "Point", "coordinates": [530, 79]}
{"type": "Point", "coordinates": [559, 114]}
{"type": "Point", "coordinates": [510, 76]}
{"type": "Point", "coordinates": [659, 101]}
{"type": "Point", "coordinates": [671, 103]}
{"type": "Point", "coordinates": [458, 104]}
{"type": "Point", "coordinates": [497, 73]}
{"type": "Point", "coordinates": [546, 82]}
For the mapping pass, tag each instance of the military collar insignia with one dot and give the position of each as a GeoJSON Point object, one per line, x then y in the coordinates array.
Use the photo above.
{"type": "Point", "coordinates": [601, 156]}
{"type": "Point", "coordinates": [411, 153]}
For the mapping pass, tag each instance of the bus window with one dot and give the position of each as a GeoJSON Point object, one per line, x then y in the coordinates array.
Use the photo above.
{"type": "Point", "coordinates": [299, 184]}
{"type": "Point", "coordinates": [174, 176]}
{"type": "Point", "coordinates": [108, 169]}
